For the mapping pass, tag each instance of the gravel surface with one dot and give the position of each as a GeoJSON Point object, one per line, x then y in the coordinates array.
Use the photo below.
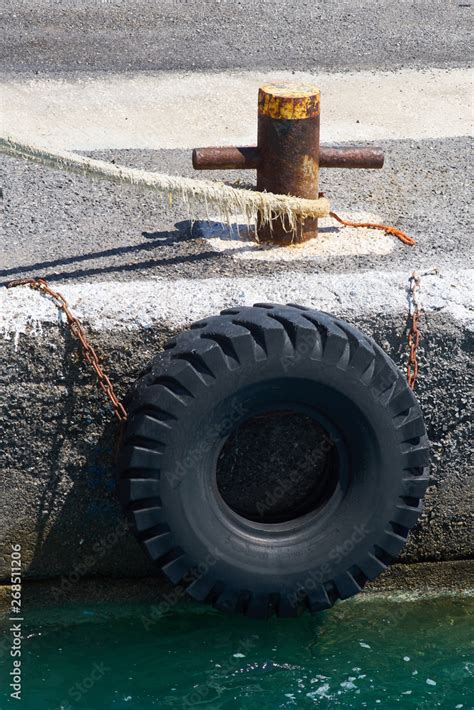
{"type": "Point", "coordinates": [69, 228]}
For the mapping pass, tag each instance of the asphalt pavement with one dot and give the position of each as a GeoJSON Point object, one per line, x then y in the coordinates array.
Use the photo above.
{"type": "Point", "coordinates": [126, 35]}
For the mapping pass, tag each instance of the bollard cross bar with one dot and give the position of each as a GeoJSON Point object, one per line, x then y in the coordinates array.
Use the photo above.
{"type": "Point", "coordinates": [288, 155]}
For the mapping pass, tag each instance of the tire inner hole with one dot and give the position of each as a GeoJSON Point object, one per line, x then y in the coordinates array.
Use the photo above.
{"type": "Point", "coordinates": [277, 466]}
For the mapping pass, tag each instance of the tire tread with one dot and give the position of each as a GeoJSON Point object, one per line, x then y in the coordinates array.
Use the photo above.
{"type": "Point", "coordinates": [221, 343]}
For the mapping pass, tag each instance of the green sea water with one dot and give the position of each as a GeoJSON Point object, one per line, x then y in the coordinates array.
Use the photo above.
{"type": "Point", "coordinates": [364, 653]}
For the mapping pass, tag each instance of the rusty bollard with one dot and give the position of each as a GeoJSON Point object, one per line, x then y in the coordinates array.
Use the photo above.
{"type": "Point", "coordinates": [288, 141]}
{"type": "Point", "coordinates": [288, 155]}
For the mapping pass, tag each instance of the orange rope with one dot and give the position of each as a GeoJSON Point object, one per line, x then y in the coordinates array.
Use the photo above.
{"type": "Point", "coordinates": [390, 230]}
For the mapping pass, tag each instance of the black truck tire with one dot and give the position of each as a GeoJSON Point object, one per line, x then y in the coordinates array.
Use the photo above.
{"type": "Point", "coordinates": [250, 361]}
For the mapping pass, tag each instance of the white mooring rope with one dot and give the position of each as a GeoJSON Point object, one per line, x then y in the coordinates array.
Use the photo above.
{"type": "Point", "coordinates": [227, 201]}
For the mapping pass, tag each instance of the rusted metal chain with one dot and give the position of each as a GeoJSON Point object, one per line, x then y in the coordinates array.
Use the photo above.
{"type": "Point", "coordinates": [78, 332]}
{"type": "Point", "coordinates": [370, 225]}
{"type": "Point", "coordinates": [414, 313]}
{"type": "Point", "coordinates": [413, 333]}
{"type": "Point", "coordinates": [77, 329]}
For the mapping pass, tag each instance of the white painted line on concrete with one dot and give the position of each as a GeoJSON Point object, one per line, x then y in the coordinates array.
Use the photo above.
{"type": "Point", "coordinates": [333, 240]}
{"type": "Point", "coordinates": [145, 304]}
{"type": "Point", "coordinates": [176, 110]}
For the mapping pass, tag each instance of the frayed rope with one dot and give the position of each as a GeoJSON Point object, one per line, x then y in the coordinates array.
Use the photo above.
{"type": "Point", "coordinates": [229, 202]}
{"type": "Point", "coordinates": [226, 200]}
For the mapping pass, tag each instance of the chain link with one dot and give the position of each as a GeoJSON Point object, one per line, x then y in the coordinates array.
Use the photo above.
{"type": "Point", "coordinates": [79, 333]}
{"type": "Point", "coordinates": [414, 333]}
{"type": "Point", "coordinates": [106, 386]}
{"type": "Point", "coordinates": [414, 312]}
